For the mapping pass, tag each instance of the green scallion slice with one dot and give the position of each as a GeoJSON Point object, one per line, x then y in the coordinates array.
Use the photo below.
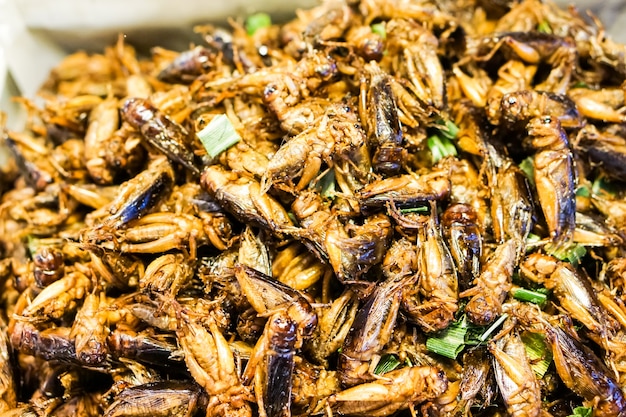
{"type": "Point", "coordinates": [218, 135]}
{"type": "Point", "coordinates": [538, 353]}
{"type": "Point", "coordinates": [257, 21]}
{"type": "Point", "coordinates": [529, 296]}
{"type": "Point", "coordinates": [386, 364]}
{"type": "Point", "coordinates": [493, 327]}
{"type": "Point", "coordinates": [449, 342]}
{"type": "Point", "coordinates": [379, 29]}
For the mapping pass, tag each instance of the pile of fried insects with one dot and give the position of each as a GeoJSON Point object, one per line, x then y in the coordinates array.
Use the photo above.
{"type": "Point", "coordinates": [378, 208]}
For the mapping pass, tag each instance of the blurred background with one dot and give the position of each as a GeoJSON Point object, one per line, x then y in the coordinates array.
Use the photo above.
{"type": "Point", "coordinates": [36, 34]}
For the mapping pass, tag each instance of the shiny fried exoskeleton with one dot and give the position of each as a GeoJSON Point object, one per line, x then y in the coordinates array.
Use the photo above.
{"type": "Point", "coordinates": [518, 385]}
{"type": "Point", "coordinates": [104, 120]}
{"type": "Point", "coordinates": [48, 265]}
{"type": "Point", "coordinates": [492, 286]}
{"type": "Point", "coordinates": [395, 390]}
{"type": "Point", "coordinates": [243, 198]}
{"type": "Point", "coordinates": [371, 330]}
{"type": "Point", "coordinates": [136, 196]}
{"type": "Point", "coordinates": [464, 238]}
{"type": "Point", "coordinates": [187, 66]}
{"type": "Point", "coordinates": [351, 249]}
{"type": "Point", "coordinates": [312, 385]}
{"type": "Point", "coordinates": [159, 232]}
{"type": "Point", "coordinates": [477, 381]}
{"type": "Point", "coordinates": [603, 104]}
{"type": "Point", "coordinates": [415, 49]}
{"type": "Point", "coordinates": [604, 149]}
{"type": "Point", "coordinates": [302, 156]}
{"type": "Point", "coordinates": [532, 48]}
{"type": "Point", "coordinates": [90, 330]}
{"type": "Point", "coordinates": [60, 297]}
{"type": "Point", "coordinates": [584, 373]}
{"type": "Point", "coordinates": [8, 387]}
{"type": "Point", "coordinates": [512, 205]}
{"type": "Point", "coordinates": [404, 191]}
{"type": "Point", "coordinates": [434, 302]}
{"type": "Point", "coordinates": [573, 290]}
{"type": "Point", "coordinates": [48, 344]}
{"type": "Point", "coordinates": [383, 126]}
{"type": "Point", "coordinates": [273, 359]}
{"type": "Point", "coordinates": [555, 178]}
{"type": "Point", "coordinates": [519, 107]}
{"type": "Point", "coordinates": [116, 269]}
{"type": "Point", "coordinates": [143, 347]}
{"type": "Point", "coordinates": [211, 363]}
{"type": "Point", "coordinates": [298, 268]}
{"type": "Point", "coordinates": [156, 399]}
{"type": "Point", "coordinates": [334, 323]}
{"type": "Point", "coordinates": [266, 295]}
{"type": "Point", "coordinates": [160, 131]}
{"type": "Point", "coordinates": [167, 274]}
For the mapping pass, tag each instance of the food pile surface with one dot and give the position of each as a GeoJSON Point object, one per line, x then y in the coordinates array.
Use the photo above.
{"type": "Point", "coordinates": [377, 208]}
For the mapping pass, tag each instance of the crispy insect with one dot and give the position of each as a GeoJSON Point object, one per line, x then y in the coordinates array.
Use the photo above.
{"type": "Point", "coordinates": [396, 390]}
{"type": "Point", "coordinates": [158, 129]}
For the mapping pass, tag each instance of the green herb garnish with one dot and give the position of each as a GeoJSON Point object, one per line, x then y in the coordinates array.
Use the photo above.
{"type": "Point", "coordinates": [257, 21]}
{"type": "Point", "coordinates": [582, 412]}
{"type": "Point", "coordinates": [387, 363]}
{"type": "Point", "coordinates": [218, 135]}
{"type": "Point", "coordinates": [379, 29]}
{"type": "Point", "coordinates": [529, 296]}
{"type": "Point", "coordinates": [449, 342]}
{"type": "Point", "coordinates": [528, 168]}
{"type": "Point", "coordinates": [538, 353]}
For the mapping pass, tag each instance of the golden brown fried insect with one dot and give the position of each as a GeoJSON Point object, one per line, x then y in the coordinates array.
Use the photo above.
{"type": "Point", "coordinates": [584, 373]}
{"type": "Point", "coordinates": [170, 398]}
{"type": "Point", "coordinates": [434, 301]}
{"type": "Point", "coordinates": [407, 190]}
{"type": "Point", "coordinates": [492, 286]}
{"type": "Point", "coordinates": [243, 198]}
{"type": "Point", "coordinates": [334, 323]}
{"type": "Point", "coordinates": [211, 363]}
{"type": "Point", "coordinates": [160, 131]}
{"type": "Point", "coordinates": [555, 179]}
{"type": "Point", "coordinates": [517, 382]}
{"type": "Point", "coordinates": [395, 390]}
{"type": "Point", "coordinates": [464, 238]}
{"type": "Point", "coordinates": [383, 126]}
{"type": "Point", "coordinates": [371, 330]}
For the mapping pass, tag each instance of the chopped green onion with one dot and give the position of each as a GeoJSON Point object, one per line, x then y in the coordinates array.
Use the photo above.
{"type": "Point", "coordinates": [583, 191]}
{"type": "Point", "coordinates": [449, 342]}
{"type": "Point", "coordinates": [529, 296]}
{"type": "Point", "coordinates": [493, 327]}
{"type": "Point", "coordinates": [440, 147]}
{"type": "Point", "coordinates": [580, 84]}
{"type": "Point", "coordinates": [582, 412]}
{"type": "Point", "coordinates": [572, 253]}
{"type": "Point", "coordinates": [544, 27]}
{"type": "Point", "coordinates": [257, 21]}
{"type": "Point", "coordinates": [379, 29]}
{"type": "Point", "coordinates": [447, 128]}
{"type": "Point", "coordinates": [218, 135]}
{"type": "Point", "coordinates": [407, 362]}
{"type": "Point", "coordinates": [528, 167]}
{"type": "Point", "coordinates": [532, 238]}
{"type": "Point", "coordinates": [33, 244]}
{"type": "Point", "coordinates": [326, 184]}
{"type": "Point", "coordinates": [538, 353]}
{"type": "Point", "coordinates": [386, 364]}
{"type": "Point", "coordinates": [602, 186]}
{"type": "Point", "coordinates": [420, 209]}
